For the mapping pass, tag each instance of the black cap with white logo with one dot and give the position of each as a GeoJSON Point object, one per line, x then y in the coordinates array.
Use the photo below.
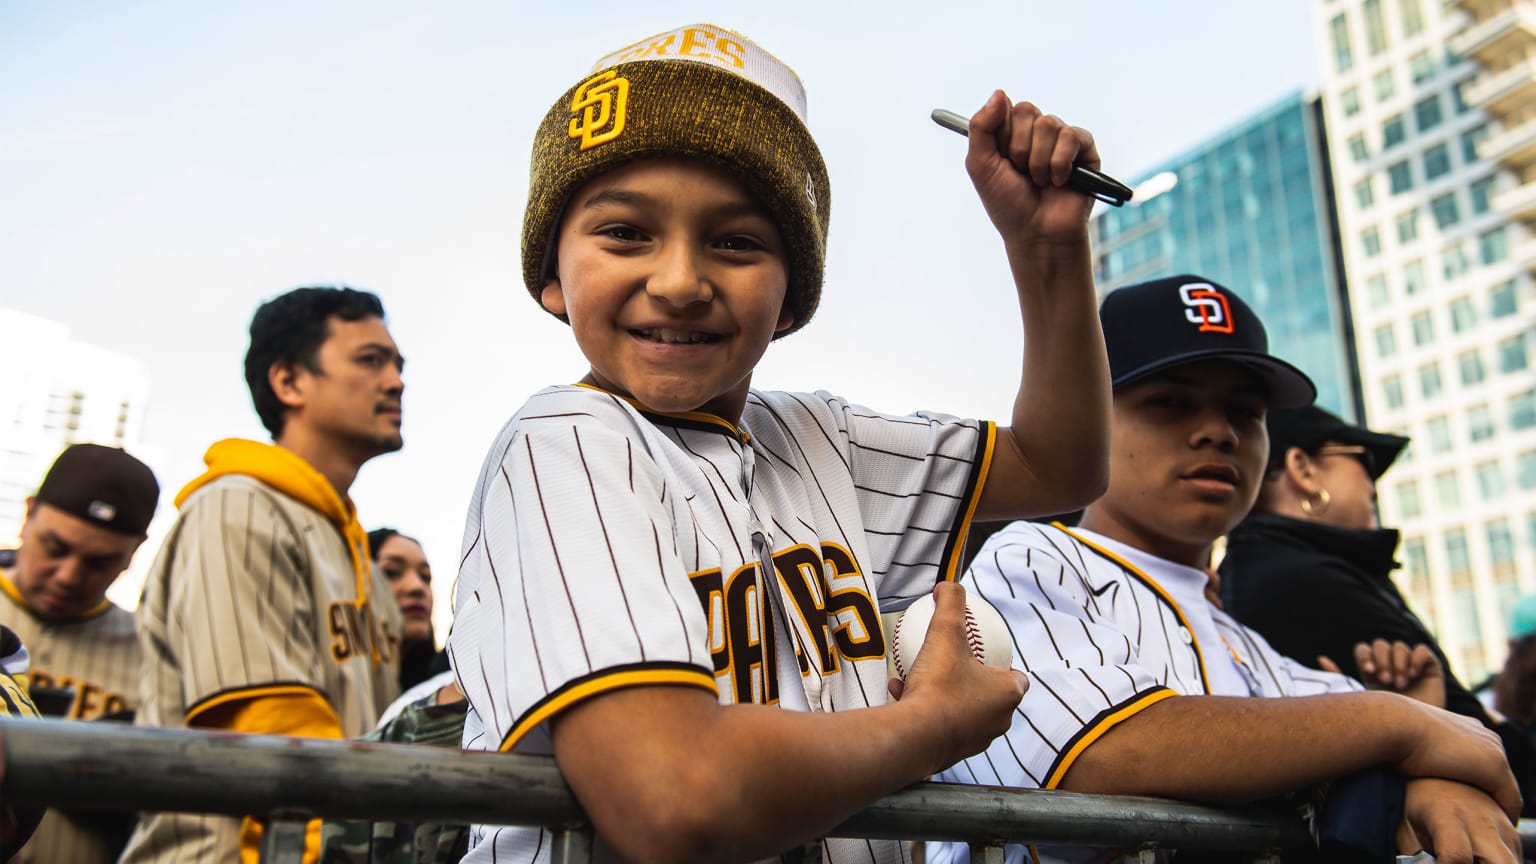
{"type": "Point", "coordinates": [104, 486]}
{"type": "Point", "coordinates": [1151, 326]}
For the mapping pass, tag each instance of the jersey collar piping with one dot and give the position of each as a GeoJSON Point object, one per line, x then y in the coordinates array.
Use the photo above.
{"type": "Point", "coordinates": [699, 420]}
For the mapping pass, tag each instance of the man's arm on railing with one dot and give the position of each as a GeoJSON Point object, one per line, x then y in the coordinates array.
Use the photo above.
{"type": "Point", "coordinates": [669, 774]}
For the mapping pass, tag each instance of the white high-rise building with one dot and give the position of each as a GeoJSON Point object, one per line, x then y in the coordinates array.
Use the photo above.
{"type": "Point", "coordinates": [54, 392]}
{"type": "Point", "coordinates": [1438, 262]}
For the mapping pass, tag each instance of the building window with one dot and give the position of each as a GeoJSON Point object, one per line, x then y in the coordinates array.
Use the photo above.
{"type": "Point", "coordinates": [1445, 210]}
{"type": "Point", "coordinates": [1411, 16]}
{"type": "Point", "coordinates": [1370, 242]}
{"type": "Point", "coordinates": [1501, 541]}
{"type": "Point", "coordinates": [1490, 481]}
{"type": "Point", "coordinates": [1423, 328]}
{"type": "Point", "coordinates": [1479, 423]}
{"type": "Point", "coordinates": [1469, 142]}
{"type": "Point", "coordinates": [1480, 192]}
{"type": "Point", "coordinates": [1454, 261]}
{"type": "Point", "coordinates": [1525, 469]}
{"type": "Point", "coordinates": [1375, 27]}
{"type": "Point", "coordinates": [1393, 131]}
{"type": "Point", "coordinates": [1413, 277]}
{"type": "Point", "coordinates": [1522, 410]}
{"type": "Point", "coordinates": [1359, 151]}
{"type": "Point", "coordinates": [1512, 357]}
{"type": "Point", "coordinates": [1437, 161]}
{"type": "Point", "coordinates": [1349, 100]}
{"type": "Point", "coordinates": [1415, 561]}
{"type": "Point", "coordinates": [1493, 246]}
{"type": "Point", "coordinates": [1463, 314]}
{"type": "Point", "coordinates": [1400, 177]}
{"type": "Point", "coordinates": [1502, 300]}
{"type": "Point", "coordinates": [1386, 340]}
{"type": "Point", "coordinates": [1364, 197]}
{"type": "Point", "coordinates": [1343, 54]}
{"type": "Point", "coordinates": [1439, 432]}
{"type": "Point", "coordinates": [1383, 85]}
{"type": "Point", "coordinates": [1471, 365]}
{"type": "Point", "coordinates": [1427, 113]}
{"type": "Point", "coordinates": [1421, 67]}
{"type": "Point", "coordinates": [1430, 384]}
{"type": "Point", "coordinates": [1377, 292]}
{"type": "Point", "coordinates": [1408, 504]}
{"type": "Point", "coordinates": [1447, 490]}
{"type": "Point", "coordinates": [1407, 226]}
{"type": "Point", "coordinates": [1392, 391]}
{"type": "Point", "coordinates": [1456, 557]}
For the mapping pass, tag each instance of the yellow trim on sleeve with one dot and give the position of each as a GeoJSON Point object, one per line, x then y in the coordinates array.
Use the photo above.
{"type": "Point", "coordinates": [1151, 583]}
{"type": "Point", "coordinates": [1066, 760]}
{"type": "Point", "coordinates": [16, 696]}
{"type": "Point", "coordinates": [957, 554]}
{"type": "Point", "coordinates": [595, 686]}
{"type": "Point", "coordinates": [248, 695]}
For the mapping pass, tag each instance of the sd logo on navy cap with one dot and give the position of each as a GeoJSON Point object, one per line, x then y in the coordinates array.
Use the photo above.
{"type": "Point", "coordinates": [1151, 326]}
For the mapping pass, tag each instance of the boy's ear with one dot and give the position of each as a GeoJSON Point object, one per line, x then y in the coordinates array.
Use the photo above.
{"type": "Point", "coordinates": [552, 298]}
{"type": "Point", "coordinates": [786, 317]}
{"type": "Point", "coordinates": [283, 377]}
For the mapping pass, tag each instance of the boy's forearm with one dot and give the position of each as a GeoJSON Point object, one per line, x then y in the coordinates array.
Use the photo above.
{"type": "Point", "coordinates": [1060, 420]}
{"type": "Point", "coordinates": [1233, 749]}
{"type": "Point", "coordinates": [700, 781]}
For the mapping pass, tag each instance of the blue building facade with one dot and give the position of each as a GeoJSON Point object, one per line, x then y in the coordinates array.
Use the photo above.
{"type": "Point", "coordinates": [1252, 209]}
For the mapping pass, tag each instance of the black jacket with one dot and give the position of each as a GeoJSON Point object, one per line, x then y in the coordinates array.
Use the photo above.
{"type": "Point", "coordinates": [1313, 589]}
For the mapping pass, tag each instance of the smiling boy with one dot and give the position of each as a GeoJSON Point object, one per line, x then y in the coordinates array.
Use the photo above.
{"type": "Point", "coordinates": [660, 559]}
{"type": "Point", "coordinates": [1139, 685]}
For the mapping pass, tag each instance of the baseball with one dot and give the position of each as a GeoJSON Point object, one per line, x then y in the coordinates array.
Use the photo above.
{"type": "Point", "coordinates": [984, 629]}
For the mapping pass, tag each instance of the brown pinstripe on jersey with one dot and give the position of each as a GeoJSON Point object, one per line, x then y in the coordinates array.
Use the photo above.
{"type": "Point", "coordinates": [98, 658]}
{"type": "Point", "coordinates": [609, 547]}
{"type": "Point", "coordinates": [253, 593]}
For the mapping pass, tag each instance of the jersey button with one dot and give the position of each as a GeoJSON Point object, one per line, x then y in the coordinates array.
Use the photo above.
{"type": "Point", "coordinates": [1188, 637]}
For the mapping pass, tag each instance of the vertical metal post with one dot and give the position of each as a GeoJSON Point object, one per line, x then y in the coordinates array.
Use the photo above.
{"type": "Point", "coordinates": [282, 842]}
{"type": "Point", "coordinates": [571, 845]}
{"type": "Point", "coordinates": [990, 853]}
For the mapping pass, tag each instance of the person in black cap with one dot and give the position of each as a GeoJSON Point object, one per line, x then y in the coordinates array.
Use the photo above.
{"type": "Point", "coordinates": [1311, 569]}
{"type": "Point", "coordinates": [81, 529]}
{"type": "Point", "coordinates": [1139, 684]}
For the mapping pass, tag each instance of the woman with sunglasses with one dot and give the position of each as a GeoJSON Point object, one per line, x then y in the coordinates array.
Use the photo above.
{"type": "Point", "coordinates": [1310, 569]}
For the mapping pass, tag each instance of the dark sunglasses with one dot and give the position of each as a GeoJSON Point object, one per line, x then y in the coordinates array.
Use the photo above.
{"type": "Point", "coordinates": [1359, 452]}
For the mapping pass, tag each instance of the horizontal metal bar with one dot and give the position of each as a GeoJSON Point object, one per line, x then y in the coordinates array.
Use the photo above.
{"type": "Point", "coordinates": [94, 766]}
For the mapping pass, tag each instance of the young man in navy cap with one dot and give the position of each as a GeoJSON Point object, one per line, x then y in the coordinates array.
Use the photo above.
{"type": "Point", "coordinates": [1139, 685]}
{"type": "Point", "coordinates": [81, 529]}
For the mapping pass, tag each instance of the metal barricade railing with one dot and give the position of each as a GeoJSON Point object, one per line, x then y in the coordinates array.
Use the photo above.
{"type": "Point", "coordinates": [87, 766]}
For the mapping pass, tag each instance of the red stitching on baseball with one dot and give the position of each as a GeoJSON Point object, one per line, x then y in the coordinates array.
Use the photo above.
{"type": "Point", "coordinates": [896, 647]}
{"type": "Point", "coordinates": [973, 636]}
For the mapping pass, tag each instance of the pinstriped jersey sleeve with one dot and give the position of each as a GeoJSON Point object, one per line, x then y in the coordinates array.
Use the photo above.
{"type": "Point", "coordinates": [570, 584]}
{"type": "Point", "coordinates": [240, 614]}
{"type": "Point", "coordinates": [1086, 674]}
{"type": "Point", "coordinates": [916, 480]}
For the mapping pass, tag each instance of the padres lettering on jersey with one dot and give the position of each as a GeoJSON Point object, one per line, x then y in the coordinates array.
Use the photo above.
{"type": "Point", "coordinates": [254, 594]}
{"type": "Point", "coordinates": [96, 656]}
{"type": "Point", "coordinates": [606, 547]}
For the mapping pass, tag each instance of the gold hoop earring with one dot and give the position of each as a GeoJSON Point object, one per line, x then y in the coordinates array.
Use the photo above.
{"type": "Point", "coordinates": [1321, 507]}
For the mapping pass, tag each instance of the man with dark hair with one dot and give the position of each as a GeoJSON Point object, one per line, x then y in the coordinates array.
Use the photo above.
{"type": "Point", "coordinates": [262, 612]}
{"type": "Point", "coordinates": [82, 527]}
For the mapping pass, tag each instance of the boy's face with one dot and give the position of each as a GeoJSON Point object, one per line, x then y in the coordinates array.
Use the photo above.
{"type": "Point", "coordinates": [1187, 454]}
{"type": "Point", "coordinates": [673, 279]}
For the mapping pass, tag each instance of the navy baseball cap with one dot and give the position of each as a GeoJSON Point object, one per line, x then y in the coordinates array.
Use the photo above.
{"type": "Point", "coordinates": [1311, 427]}
{"type": "Point", "coordinates": [1151, 326]}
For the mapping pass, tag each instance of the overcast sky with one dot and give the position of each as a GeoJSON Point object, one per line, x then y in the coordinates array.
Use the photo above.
{"type": "Point", "coordinates": [165, 165]}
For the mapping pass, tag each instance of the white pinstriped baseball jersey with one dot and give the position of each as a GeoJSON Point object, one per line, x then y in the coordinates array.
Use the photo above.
{"type": "Point", "coordinates": [96, 656]}
{"type": "Point", "coordinates": [254, 594]}
{"type": "Point", "coordinates": [1103, 631]}
{"type": "Point", "coordinates": [606, 547]}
